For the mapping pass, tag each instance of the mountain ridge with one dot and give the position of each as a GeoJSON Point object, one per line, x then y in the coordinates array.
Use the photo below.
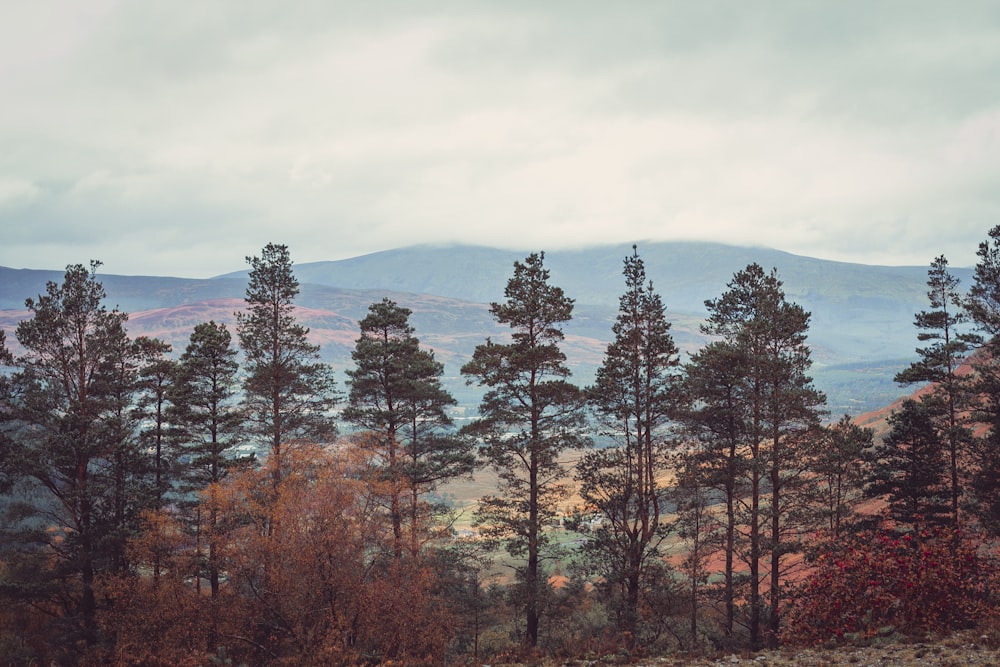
{"type": "Point", "coordinates": [861, 330]}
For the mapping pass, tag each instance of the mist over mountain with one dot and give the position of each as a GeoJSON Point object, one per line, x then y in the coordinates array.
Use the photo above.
{"type": "Point", "coordinates": [861, 330]}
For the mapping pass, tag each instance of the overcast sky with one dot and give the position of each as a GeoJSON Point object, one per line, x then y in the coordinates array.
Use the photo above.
{"type": "Point", "coordinates": [172, 138]}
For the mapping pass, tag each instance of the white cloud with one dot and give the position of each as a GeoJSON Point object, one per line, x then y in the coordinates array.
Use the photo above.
{"type": "Point", "coordinates": [17, 193]}
{"type": "Point", "coordinates": [153, 138]}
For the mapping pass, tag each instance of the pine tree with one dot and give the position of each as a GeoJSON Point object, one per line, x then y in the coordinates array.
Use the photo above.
{"type": "Point", "coordinates": [950, 395]}
{"type": "Point", "coordinates": [983, 307]}
{"type": "Point", "coordinates": [840, 470]}
{"type": "Point", "coordinates": [697, 523]}
{"type": "Point", "coordinates": [635, 397]}
{"type": "Point", "coordinates": [906, 469]}
{"type": "Point", "coordinates": [62, 411]}
{"type": "Point", "coordinates": [983, 302]}
{"type": "Point", "coordinates": [783, 407]}
{"type": "Point", "coordinates": [288, 392]}
{"type": "Point", "coordinates": [206, 411]}
{"type": "Point", "coordinates": [209, 427]}
{"type": "Point", "coordinates": [131, 470]}
{"type": "Point", "coordinates": [396, 395]}
{"type": "Point", "coordinates": [8, 469]}
{"type": "Point", "coordinates": [152, 403]}
{"type": "Point", "coordinates": [529, 415]}
{"type": "Point", "coordinates": [718, 416]}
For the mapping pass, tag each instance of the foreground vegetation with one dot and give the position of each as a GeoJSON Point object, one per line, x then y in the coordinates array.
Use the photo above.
{"type": "Point", "coordinates": [230, 505]}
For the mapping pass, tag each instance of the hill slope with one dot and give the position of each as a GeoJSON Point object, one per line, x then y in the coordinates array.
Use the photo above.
{"type": "Point", "coordinates": [861, 332]}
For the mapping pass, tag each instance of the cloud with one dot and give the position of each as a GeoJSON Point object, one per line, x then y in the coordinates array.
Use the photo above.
{"type": "Point", "coordinates": [179, 142]}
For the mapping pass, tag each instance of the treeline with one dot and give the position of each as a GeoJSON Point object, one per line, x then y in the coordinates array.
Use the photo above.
{"type": "Point", "coordinates": [230, 504]}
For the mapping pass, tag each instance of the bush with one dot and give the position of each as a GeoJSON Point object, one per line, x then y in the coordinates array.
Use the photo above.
{"type": "Point", "coordinates": [879, 583]}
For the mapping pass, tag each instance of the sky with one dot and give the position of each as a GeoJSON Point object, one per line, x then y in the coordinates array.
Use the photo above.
{"type": "Point", "coordinates": [167, 138]}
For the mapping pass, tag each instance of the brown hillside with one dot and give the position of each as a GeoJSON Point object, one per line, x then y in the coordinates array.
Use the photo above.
{"type": "Point", "coordinates": [174, 325]}
{"type": "Point", "coordinates": [335, 333]}
{"type": "Point", "coordinates": [878, 420]}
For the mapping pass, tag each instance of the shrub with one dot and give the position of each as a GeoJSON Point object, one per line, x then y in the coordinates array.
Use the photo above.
{"type": "Point", "coordinates": [879, 583]}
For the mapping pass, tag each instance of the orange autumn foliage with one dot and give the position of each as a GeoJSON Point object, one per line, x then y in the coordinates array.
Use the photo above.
{"type": "Point", "coordinates": [307, 577]}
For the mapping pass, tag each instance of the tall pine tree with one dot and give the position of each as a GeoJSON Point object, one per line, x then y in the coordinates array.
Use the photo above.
{"type": "Point", "coordinates": [63, 411]}
{"type": "Point", "coordinates": [950, 395]}
{"type": "Point", "coordinates": [529, 415]}
{"type": "Point", "coordinates": [152, 404]}
{"type": "Point", "coordinates": [718, 416]}
{"type": "Point", "coordinates": [209, 428]}
{"type": "Point", "coordinates": [635, 396]}
{"type": "Point", "coordinates": [782, 407]}
{"type": "Point", "coordinates": [983, 306]}
{"type": "Point", "coordinates": [288, 392]}
{"type": "Point", "coordinates": [206, 411]}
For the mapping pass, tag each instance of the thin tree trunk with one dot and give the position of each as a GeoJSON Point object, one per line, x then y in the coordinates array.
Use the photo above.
{"type": "Point", "coordinates": [755, 643]}
{"type": "Point", "coordinates": [775, 590]}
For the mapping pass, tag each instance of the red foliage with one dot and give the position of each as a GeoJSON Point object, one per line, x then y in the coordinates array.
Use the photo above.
{"type": "Point", "coordinates": [934, 581]}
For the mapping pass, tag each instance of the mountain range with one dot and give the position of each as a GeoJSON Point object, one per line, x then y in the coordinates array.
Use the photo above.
{"type": "Point", "coordinates": [861, 330]}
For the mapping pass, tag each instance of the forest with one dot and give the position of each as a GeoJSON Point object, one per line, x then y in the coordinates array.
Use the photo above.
{"type": "Point", "coordinates": [231, 503]}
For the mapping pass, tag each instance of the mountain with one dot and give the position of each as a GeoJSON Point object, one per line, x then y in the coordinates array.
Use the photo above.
{"type": "Point", "coordinates": [860, 312]}
{"type": "Point", "coordinates": [861, 332]}
{"type": "Point", "coordinates": [687, 273]}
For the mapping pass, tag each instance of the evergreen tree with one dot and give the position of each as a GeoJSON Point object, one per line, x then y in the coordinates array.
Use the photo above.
{"type": "Point", "coordinates": [718, 416]}
{"type": "Point", "coordinates": [983, 302]}
{"type": "Point", "coordinates": [288, 392]}
{"type": "Point", "coordinates": [396, 394]}
{"type": "Point", "coordinates": [209, 425]}
{"type": "Point", "coordinates": [698, 525]}
{"type": "Point", "coordinates": [983, 306]}
{"type": "Point", "coordinates": [63, 403]}
{"type": "Point", "coordinates": [6, 358]}
{"type": "Point", "coordinates": [206, 412]}
{"type": "Point", "coordinates": [634, 396]}
{"type": "Point", "coordinates": [8, 470]}
{"type": "Point", "coordinates": [906, 468]}
{"type": "Point", "coordinates": [152, 404]}
{"type": "Point", "coordinates": [130, 471]}
{"type": "Point", "coordinates": [840, 469]}
{"type": "Point", "coordinates": [950, 395]}
{"type": "Point", "coordinates": [529, 415]}
{"type": "Point", "coordinates": [783, 407]}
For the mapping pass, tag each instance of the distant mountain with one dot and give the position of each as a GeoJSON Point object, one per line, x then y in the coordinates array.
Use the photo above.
{"type": "Point", "coordinates": [686, 273]}
{"type": "Point", "coordinates": [861, 332]}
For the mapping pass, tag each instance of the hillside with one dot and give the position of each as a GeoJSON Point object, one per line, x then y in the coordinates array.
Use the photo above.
{"type": "Point", "coordinates": [862, 315]}
{"type": "Point", "coordinates": [861, 332]}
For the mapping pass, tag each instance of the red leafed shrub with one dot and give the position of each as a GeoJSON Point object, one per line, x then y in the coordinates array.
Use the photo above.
{"type": "Point", "coordinates": [876, 582]}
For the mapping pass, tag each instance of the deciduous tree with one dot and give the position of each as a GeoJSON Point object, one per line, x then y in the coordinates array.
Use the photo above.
{"type": "Point", "coordinates": [927, 581]}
